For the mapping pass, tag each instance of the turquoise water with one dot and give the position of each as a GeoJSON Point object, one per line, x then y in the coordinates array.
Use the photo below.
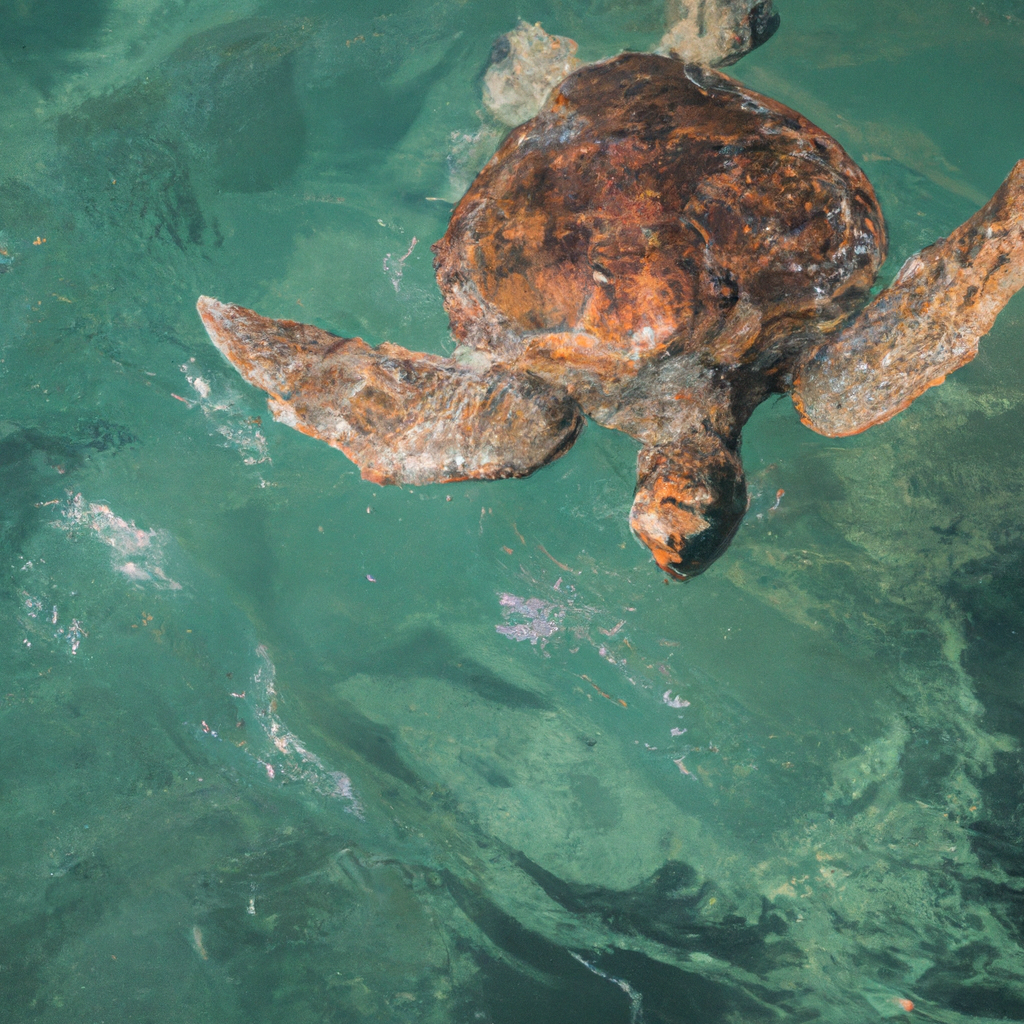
{"type": "Point", "coordinates": [280, 745]}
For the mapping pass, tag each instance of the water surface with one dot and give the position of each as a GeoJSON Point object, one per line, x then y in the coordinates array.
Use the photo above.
{"type": "Point", "coordinates": [280, 745]}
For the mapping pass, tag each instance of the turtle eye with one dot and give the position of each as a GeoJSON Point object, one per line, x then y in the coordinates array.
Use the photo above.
{"type": "Point", "coordinates": [500, 50]}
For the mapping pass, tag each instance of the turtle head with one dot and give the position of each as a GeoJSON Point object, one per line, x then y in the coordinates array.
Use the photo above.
{"type": "Point", "coordinates": [689, 502]}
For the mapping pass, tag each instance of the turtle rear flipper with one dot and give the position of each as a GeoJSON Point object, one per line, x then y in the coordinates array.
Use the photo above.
{"type": "Point", "coordinates": [925, 325]}
{"type": "Point", "coordinates": [402, 417]}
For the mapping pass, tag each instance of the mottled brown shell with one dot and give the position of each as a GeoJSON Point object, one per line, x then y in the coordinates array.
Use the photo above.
{"type": "Point", "coordinates": [652, 207]}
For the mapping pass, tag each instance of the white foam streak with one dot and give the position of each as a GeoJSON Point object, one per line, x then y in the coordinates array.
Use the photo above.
{"type": "Point", "coordinates": [289, 758]}
{"type": "Point", "coordinates": [137, 553]}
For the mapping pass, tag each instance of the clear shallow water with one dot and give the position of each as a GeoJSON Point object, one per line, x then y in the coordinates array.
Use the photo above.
{"type": "Point", "coordinates": [514, 776]}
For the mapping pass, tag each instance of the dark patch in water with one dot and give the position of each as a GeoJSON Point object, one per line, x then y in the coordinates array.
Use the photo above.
{"type": "Point", "coordinates": [991, 595]}
{"type": "Point", "coordinates": [38, 37]}
{"type": "Point", "coordinates": [370, 740]}
{"type": "Point", "coordinates": [571, 991]}
{"type": "Point", "coordinates": [666, 908]}
{"type": "Point", "coordinates": [258, 131]}
{"type": "Point", "coordinates": [428, 652]}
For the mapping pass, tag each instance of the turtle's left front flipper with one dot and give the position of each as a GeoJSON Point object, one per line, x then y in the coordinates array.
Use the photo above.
{"type": "Point", "coordinates": [926, 324]}
{"type": "Point", "coordinates": [402, 417]}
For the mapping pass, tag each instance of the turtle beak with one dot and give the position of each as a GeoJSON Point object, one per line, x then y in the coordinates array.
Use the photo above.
{"type": "Point", "coordinates": [689, 502]}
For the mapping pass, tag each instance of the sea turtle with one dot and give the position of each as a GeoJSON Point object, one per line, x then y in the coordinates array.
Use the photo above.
{"type": "Point", "coordinates": [659, 249]}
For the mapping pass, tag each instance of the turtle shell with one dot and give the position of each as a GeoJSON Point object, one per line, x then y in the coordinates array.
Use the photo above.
{"type": "Point", "coordinates": [654, 207]}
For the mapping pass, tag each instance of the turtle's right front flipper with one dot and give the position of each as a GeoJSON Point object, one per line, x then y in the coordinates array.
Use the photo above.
{"type": "Point", "coordinates": [402, 417]}
{"type": "Point", "coordinates": [926, 324]}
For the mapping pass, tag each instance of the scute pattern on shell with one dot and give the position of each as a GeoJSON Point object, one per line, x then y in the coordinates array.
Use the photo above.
{"type": "Point", "coordinates": [646, 205]}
